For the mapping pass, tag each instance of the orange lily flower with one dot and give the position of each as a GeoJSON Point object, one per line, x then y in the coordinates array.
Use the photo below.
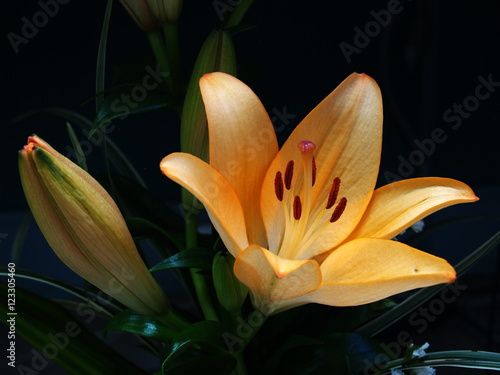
{"type": "Point", "coordinates": [304, 222]}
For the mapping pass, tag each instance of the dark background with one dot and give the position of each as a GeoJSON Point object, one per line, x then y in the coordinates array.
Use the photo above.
{"type": "Point", "coordinates": [427, 59]}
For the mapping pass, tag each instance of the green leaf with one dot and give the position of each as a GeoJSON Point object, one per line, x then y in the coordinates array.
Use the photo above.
{"type": "Point", "coordinates": [200, 348]}
{"type": "Point", "coordinates": [418, 298]}
{"type": "Point", "coordinates": [115, 106]}
{"type": "Point", "coordinates": [20, 237]}
{"type": "Point", "coordinates": [137, 201]}
{"type": "Point", "coordinates": [453, 358]}
{"type": "Point", "coordinates": [204, 360]}
{"type": "Point", "coordinates": [77, 147]}
{"type": "Point", "coordinates": [143, 228]}
{"type": "Point", "coordinates": [141, 325]}
{"type": "Point", "coordinates": [58, 335]}
{"type": "Point", "coordinates": [116, 157]}
{"type": "Point", "coordinates": [337, 353]}
{"type": "Point", "coordinates": [200, 258]}
{"type": "Point", "coordinates": [237, 14]}
{"type": "Point", "coordinates": [293, 342]}
{"type": "Point", "coordinates": [101, 55]}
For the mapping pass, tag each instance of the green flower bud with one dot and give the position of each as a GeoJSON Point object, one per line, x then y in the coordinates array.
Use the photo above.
{"type": "Point", "coordinates": [230, 291]}
{"type": "Point", "coordinates": [85, 228]}
{"type": "Point", "coordinates": [142, 15]}
{"type": "Point", "coordinates": [167, 11]}
{"type": "Point", "coordinates": [216, 55]}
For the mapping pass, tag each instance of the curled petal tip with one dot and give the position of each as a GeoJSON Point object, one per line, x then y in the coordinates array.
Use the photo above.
{"type": "Point", "coordinates": [452, 277]}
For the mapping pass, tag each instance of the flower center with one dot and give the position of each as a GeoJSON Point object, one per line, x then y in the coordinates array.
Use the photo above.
{"type": "Point", "coordinates": [294, 189]}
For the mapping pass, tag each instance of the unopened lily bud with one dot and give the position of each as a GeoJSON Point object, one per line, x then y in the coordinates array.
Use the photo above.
{"type": "Point", "coordinates": [166, 11]}
{"type": "Point", "coordinates": [216, 55]}
{"type": "Point", "coordinates": [230, 291]}
{"type": "Point", "coordinates": [85, 228]}
{"type": "Point", "coordinates": [142, 15]}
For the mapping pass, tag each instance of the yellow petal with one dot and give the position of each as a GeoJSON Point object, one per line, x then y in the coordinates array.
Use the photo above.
{"type": "Point", "coordinates": [347, 130]}
{"type": "Point", "coordinates": [213, 190]}
{"type": "Point", "coordinates": [242, 142]}
{"type": "Point", "coordinates": [272, 279]}
{"type": "Point", "coordinates": [367, 270]}
{"type": "Point", "coordinates": [399, 205]}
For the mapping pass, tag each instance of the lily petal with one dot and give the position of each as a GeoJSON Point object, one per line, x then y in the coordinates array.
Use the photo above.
{"type": "Point", "coordinates": [346, 128]}
{"type": "Point", "coordinates": [216, 194]}
{"type": "Point", "coordinates": [367, 270]}
{"type": "Point", "coordinates": [397, 206]}
{"type": "Point", "coordinates": [242, 142]}
{"type": "Point", "coordinates": [273, 279]}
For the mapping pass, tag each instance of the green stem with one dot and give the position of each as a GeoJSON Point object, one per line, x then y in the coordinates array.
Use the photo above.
{"type": "Point", "coordinates": [156, 42]}
{"type": "Point", "coordinates": [200, 285]}
{"type": "Point", "coordinates": [238, 355]}
{"type": "Point", "coordinates": [173, 56]}
{"type": "Point", "coordinates": [240, 369]}
{"type": "Point", "coordinates": [237, 14]}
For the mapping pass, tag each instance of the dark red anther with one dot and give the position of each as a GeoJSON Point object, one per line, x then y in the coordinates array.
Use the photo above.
{"type": "Point", "coordinates": [278, 186]}
{"type": "Point", "coordinates": [334, 192]}
{"type": "Point", "coordinates": [313, 171]}
{"type": "Point", "coordinates": [339, 210]}
{"type": "Point", "coordinates": [297, 208]}
{"type": "Point", "coordinates": [289, 174]}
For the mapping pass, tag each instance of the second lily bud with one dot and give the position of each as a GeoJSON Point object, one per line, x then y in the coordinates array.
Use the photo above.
{"type": "Point", "coordinates": [230, 291]}
{"type": "Point", "coordinates": [85, 228]}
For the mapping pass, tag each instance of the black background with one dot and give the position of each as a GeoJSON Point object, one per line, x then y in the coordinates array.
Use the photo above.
{"type": "Point", "coordinates": [427, 59]}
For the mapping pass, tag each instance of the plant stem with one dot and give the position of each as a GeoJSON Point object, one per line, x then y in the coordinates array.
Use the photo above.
{"type": "Point", "coordinates": [200, 285]}
{"type": "Point", "coordinates": [254, 328]}
{"type": "Point", "coordinates": [156, 42]}
{"type": "Point", "coordinates": [237, 14]}
{"type": "Point", "coordinates": [240, 364]}
{"type": "Point", "coordinates": [173, 56]}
